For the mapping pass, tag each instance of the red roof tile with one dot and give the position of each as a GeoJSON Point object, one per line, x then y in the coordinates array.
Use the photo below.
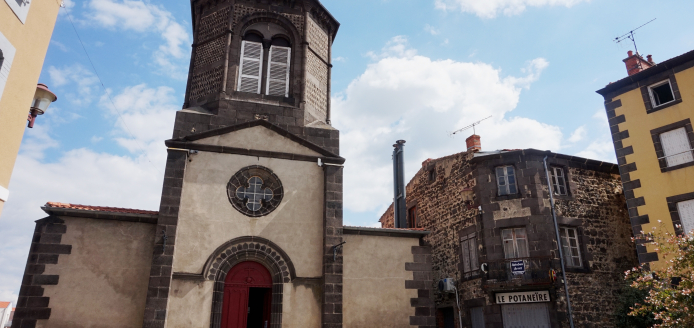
{"type": "Point", "coordinates": [99, 208]}
{"type": "Point", "coordinates": [397, 229]}
{"type": "Point", "coordinates": [4, 305]}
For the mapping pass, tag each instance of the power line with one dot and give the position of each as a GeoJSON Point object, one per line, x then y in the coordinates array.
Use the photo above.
{"type": "Point", "coordinates": [108, 95]}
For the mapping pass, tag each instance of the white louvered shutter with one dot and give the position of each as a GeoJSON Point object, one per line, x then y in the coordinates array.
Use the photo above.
{"type": "Point", "coordinates": [278, 71]}
{"type": "Point", "coordinates": [251, 67]}
{"type": "Point", "coordinates": [676, 147]}
{"type": "Point", "coordinates": [686, 212]}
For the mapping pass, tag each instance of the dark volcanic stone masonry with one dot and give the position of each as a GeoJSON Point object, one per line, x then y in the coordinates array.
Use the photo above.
{"type": "Point", "coordinates": [448, 193]}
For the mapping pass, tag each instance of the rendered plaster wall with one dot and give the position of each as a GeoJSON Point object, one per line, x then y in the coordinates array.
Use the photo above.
{"type": "Point", "coordinates": [655, 186]}
{"type": "Point", "coordinates": [258, 138]}
{"type": "Point", "coordinates": [103, 282]}
{"type": "Point", "coordinates": [30, 41]}
{"type": "Point", "coordinates": [190, 304]}
{"type": "Point", "coordinates": [207, 219]}
{"type": "Point", "coordinates": [374, 276]}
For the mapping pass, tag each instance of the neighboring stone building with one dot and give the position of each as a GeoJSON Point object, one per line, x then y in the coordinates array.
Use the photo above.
{"type": "Point", "coordinates": [650, 115]}
{"type": "Point", "coordinates": [249, 230]}
{"type": "Point", "coordinates": [25, 32]}
{"type": "Point", "coordinates": [489, 214]}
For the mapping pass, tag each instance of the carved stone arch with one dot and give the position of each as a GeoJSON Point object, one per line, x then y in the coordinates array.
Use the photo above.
{"type": "Point", "coordinates": [243, 249]}
{"type": "Point", "coordinates": [294, 33]}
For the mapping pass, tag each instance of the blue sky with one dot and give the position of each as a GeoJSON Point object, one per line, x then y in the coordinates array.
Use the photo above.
{"type": "Point", "coordinates": [406, 69]}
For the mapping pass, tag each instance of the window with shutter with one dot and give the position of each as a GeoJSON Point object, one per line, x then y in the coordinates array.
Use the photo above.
{"type": "Point", "coordinates": [278, 71]}
{"type": "Point", "coordinates": [558, 180]}
{"type": "Point", "coordinates": [686, 212]}
{"type": "Point", "coordinates": [251, 67]}
{"type": "Point", "coordinates": [468, 247]}
{"type": "Point", "coordinates": [7, 52]}
{"type": "Point", "coordinates": [676, 147]}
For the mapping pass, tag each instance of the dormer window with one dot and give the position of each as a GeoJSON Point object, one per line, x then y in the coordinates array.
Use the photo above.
{"type": "Point", "coordinates": [265, 61]}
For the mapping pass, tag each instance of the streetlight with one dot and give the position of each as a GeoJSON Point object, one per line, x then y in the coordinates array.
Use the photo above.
{"type": "Point", "coordinates": [42, 99]}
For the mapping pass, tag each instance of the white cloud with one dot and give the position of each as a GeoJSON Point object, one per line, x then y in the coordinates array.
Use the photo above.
{"type": "Point", "coordinates": [601, 146]}
{"type": "Point", "coordinates": [144, 17]}
{"type": "Point", "coordinates": [86, 83]}
{"type": "Point", "coordinates": [85, 176]}
{"type": "Point", "coordinates": [491, 8]}
{"type": "Point", "coordinates": [432, 30]}
{"type": "Point", "coordinates": [579, 134]}
{"type": "Point", "coordinates": [403, 95]}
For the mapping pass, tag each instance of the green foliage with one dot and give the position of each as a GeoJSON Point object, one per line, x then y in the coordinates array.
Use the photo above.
{"type": "Point", "coordinates": [670, 287]}
{"type": "Point", "coordinates": [628, 297]}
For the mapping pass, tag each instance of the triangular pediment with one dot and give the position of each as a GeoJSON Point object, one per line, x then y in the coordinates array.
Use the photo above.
{"type": "Point", "coordinates": [258, 135]}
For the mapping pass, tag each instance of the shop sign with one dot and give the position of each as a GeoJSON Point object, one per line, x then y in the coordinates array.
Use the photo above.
{"type": "Point", "coordinates": [522, 297]}
{"type": "Point", "coordinates": [518, 267]}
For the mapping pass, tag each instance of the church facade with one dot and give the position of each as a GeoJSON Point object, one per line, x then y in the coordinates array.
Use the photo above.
{"type": "Point", "coordinates": [249, 232]}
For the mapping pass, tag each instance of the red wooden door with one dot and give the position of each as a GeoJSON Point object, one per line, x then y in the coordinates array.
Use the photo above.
{"type": "Point", "coordinates": [238, 281]}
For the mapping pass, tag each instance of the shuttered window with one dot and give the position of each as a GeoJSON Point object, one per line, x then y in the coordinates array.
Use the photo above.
{"type": "Point", "coordinates": [515, 243]}
{"type": "Point", "coordinates": [468, 246]}
{"type": "Point", "coordinates": [251, 67]}
{"type": "Point", "coordinates": [506, 180]}
{"type": "Point", "coordinates": [477, 317]}
{"type": "Point", "coordinates": [676, 147]}
{"type": "Point", "coordinates": [558, 180]}
{"type": "Point", "coordinates": [7, 52]}
{"type": "Point", "coordinates": [686, 212]}
{"type": "Point", "coordinates": [278, 71]}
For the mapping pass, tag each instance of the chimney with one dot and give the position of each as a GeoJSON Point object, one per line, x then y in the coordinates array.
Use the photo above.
{"type": "Point", "coordinates": [635, 63]}
{"type": "Point", "coordinates": [399, 209]}
{"type": "Point", "coordinates": [473, 143]}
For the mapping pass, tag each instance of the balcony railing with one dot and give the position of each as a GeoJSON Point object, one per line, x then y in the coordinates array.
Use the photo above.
{"type": "Point", "coordinates": [535, 271]}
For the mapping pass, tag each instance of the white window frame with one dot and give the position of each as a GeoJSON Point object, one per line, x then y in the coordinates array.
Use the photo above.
{"type": "Point", "coordinates": [469, 256]}
{"type": "Point", "coordinates": [270, 65]}
{"type": "Point", "coordinates": [674, 159]}
{"type": "Point", "coordinates": [241, 63]}
{"type": "Point", "coordinates": [505, 188]}
{"type": "Point", "coordinates": [685, 209]}
{"type": "Point", "coordinates": [515, 234]}
{"type": "Point", "coordinates": [559, 189]}
{"type": "Point", "coordinates": [655, 85]}
{"type": "Point", "coordinates": [572, 253]}
{"type": "Point", "coordinates": [21, 11]}
{"type": "Point", "coordinates": [8, 51]}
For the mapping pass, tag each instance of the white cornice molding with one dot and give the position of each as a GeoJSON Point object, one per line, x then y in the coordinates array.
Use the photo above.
{"type": "Point", "coordinates": [4, 193]}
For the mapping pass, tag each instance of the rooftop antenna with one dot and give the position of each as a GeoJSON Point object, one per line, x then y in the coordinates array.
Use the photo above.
{"type": "Point", "coordinates": [630, 35]}
{"type": "Point", "coordinates": [470, 126]}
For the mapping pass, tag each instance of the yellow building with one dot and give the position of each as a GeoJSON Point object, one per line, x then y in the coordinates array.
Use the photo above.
{"type": "Point", "coordinates": [25, 31]}
{"type": "Point", "coordinates": [650, 114]}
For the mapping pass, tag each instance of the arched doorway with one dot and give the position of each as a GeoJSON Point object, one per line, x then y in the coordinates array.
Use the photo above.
{"type": "Point", "coordinates": [247, 296]}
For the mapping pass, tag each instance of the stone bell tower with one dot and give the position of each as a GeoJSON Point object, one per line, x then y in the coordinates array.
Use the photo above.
{"type": "Point", "coordinates": [230, 84]}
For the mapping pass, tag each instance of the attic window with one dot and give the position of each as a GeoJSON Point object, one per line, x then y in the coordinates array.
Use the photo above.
{"type": "Point", "coordinates": [431, 174]}
{"type": "Point", "coordinates": [661, 93]}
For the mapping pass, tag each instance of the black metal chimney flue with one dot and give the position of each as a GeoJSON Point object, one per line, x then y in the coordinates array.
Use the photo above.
{"type": "Point", "coordinates": [399, 209]}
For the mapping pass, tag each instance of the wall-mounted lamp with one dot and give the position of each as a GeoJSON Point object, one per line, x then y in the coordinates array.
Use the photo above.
{"type": "Point", "coordinates": [42, 99]}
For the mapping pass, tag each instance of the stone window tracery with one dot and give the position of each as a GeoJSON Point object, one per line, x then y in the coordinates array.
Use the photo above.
{"type": "Point", "coordinates": [255, 191]}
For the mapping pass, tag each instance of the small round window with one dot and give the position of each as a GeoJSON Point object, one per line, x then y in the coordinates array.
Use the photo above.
{"type": "Point", "coordinates": [255, 191]}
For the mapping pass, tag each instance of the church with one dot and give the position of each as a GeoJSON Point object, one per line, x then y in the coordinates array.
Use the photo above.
{"type": "Point", "coordinates": [249, 232]}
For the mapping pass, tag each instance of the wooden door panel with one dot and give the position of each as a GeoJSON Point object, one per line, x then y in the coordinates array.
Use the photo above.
{"type": "Point", "coordinates": [235, 310]}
